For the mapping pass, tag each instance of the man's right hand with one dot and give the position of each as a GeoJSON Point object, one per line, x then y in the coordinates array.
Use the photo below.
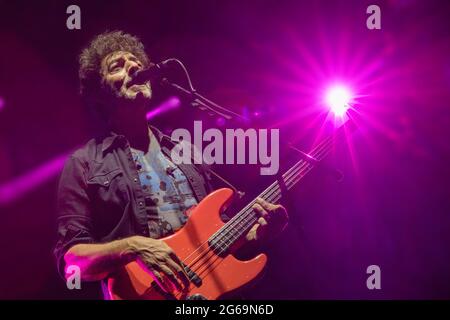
{"type": "Point", "coordinates": [161, 261]}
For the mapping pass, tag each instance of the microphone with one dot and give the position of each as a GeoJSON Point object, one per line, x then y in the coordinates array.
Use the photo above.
{"type": "Point", "coordinates": [151, 74]}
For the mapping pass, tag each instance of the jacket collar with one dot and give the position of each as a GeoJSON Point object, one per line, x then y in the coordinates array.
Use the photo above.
{"type": "Point", "coordinates": [109, 140]}
{"type": "Point", "coordinates": [113, 139]}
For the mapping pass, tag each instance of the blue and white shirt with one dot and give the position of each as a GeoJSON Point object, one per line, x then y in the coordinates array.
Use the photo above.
{"type": "Point", "coordinates": [167, 190]}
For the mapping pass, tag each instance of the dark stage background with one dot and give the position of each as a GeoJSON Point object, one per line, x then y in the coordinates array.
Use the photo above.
{"type": "Point", "coordinates": [270, 59]}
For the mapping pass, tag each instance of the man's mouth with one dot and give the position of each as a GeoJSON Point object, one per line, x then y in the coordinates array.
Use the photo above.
{"type": "Point", "coordinates": [138, 87]}
{"type": "Point", "coordinates": [129, 84]}
{"type": "Point", "coordinates": [135, 87]}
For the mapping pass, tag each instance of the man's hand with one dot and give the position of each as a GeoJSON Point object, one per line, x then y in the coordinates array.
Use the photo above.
{"type": "Point", "coordinates": [161, 261]}
{"type": "Point", "coordinates": [273, 220]}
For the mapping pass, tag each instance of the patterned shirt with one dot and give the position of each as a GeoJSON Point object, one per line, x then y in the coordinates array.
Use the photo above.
{"type": "Point", "coordinates": [168, 193]}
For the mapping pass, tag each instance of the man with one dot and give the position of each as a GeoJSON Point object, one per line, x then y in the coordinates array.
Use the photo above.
{"type": "Point", "coordinates": [121, 192]}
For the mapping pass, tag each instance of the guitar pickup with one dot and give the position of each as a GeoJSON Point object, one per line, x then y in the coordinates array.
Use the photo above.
{"type": "Point", "coordinates": [193, 277]}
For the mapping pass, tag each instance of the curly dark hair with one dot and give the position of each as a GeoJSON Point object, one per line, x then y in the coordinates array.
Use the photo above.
{"type": "Point", "coordinates": [102, 45]}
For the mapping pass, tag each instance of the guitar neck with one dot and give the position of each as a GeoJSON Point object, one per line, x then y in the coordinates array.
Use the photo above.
{"type": "Point", "coordinates": [291, 177]}
{"type": "Point", "coordinates": [234, 229]}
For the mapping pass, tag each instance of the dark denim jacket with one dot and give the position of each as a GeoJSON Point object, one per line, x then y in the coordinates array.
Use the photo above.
{"type": "Point", "coordinates": [100, 197]}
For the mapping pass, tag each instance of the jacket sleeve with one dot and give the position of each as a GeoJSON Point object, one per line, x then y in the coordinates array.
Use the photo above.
{"type": "Point", "coordinates": [74, 221]}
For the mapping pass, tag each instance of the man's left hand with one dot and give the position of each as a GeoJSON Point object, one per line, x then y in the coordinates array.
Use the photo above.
{"type": "Point", "coordinates": [273, 219]}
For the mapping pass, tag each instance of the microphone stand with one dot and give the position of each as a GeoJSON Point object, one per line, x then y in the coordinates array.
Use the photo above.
{"type": "Point", "coordinates": [199, 101]}
{"type": "Point", "coordinates": [203, 103]}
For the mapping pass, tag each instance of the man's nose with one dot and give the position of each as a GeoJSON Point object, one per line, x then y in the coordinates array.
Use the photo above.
{"type": "Point", "coordinates": [132, 68]}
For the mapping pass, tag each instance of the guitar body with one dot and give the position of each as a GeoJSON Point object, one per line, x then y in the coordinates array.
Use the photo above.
{"type": "Point", "coordinates": [219, 274]}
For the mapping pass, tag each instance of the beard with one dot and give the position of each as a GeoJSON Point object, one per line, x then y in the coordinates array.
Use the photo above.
{"type": "Point", "coordinates": [132, 92]}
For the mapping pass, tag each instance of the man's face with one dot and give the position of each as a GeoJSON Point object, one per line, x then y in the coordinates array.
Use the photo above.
{"type": "Point", "coordinates": [117, 69]}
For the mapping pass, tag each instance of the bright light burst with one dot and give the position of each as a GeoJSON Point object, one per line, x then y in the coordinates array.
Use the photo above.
{"type": "Point", "coordinates": [338, 99]}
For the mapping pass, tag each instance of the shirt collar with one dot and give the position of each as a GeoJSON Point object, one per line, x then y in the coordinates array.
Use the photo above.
{"type": "Point", "coordinates": [109, 140]}
{"type": "Point", "coordinates": [112, 138]}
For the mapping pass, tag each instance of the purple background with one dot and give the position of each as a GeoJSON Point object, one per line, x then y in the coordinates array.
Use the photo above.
{"type": "Point", "coordinates": [274, 58]}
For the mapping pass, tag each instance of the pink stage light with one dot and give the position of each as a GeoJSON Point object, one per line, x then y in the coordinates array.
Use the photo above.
{"type": "Point", "coordinates": [19, 187]}
{"type": "Point", "coordinates": [169, 104]}
{"type": "Point", "coordinates": [338, 99]}
{"type": "Point", "coordinates": [13, 190]}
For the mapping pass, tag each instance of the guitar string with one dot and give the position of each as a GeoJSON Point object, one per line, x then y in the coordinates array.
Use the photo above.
{"type": "Point", "coordinates": [270, 194]}
{"type": "Point", "coordinates": [235, 222]}
{"type": "Point", "coordinates": [209, 264]}
{"type": "Point", "coordinates": [270, 190]}
{"type": "Point", "coordinates": [292, 177]}
{"type": "Point", "coordinates": [291, 180]}
{"type": "Point", "coordinates": [230, 225]}
{"type": "Point", "coordinates": [295, 178]}
{"type": "Point", "coordinates": [237, 219]}
{"type": "Point", "coordinates": [240, 224]}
